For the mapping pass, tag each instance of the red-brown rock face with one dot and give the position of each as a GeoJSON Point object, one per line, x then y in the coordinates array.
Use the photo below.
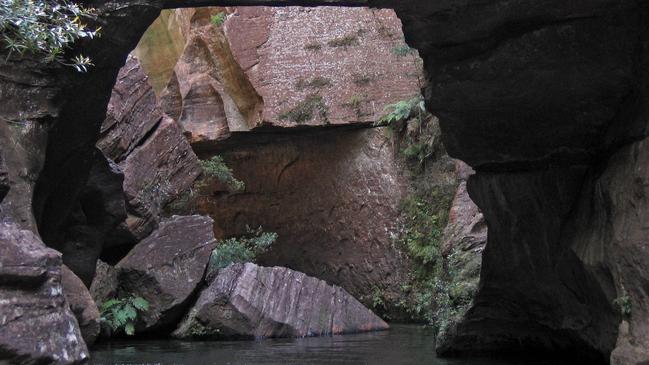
{"type": "Point", "coordinates": [283, 67]}
{"type": "Point", "coordinates": [156, 159]}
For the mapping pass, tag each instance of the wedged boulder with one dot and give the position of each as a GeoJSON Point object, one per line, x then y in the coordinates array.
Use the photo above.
{"type": "Point", "coordinates": [36, 324]}
{"type": "Point", "coordinates": [81, 304]}
{"type": "Point", "coordinates": [166, 269]}
{"type": "Point", "coordinates": [155, 173]}
{"type": "Point", "coordinates": [250, 301]}
{"type": "Point", "coordinates": [156, 159]}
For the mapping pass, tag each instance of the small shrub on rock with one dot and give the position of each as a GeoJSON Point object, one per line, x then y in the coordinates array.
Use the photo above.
{"type": "Point", "coordinates": [304, 111]}
{"type": "Point", "coordinates": [216, 168]}
{"type": "Point", "coordinates": [241, 249]}
{"type": "Point", "coordinates": [218, 19]}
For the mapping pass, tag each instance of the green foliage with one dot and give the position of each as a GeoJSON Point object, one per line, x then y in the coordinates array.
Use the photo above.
{"type": "Point", "coordinates": [216, 168]}
{"type": "Point", "coordinates": [314, 83]}
{"type": "Point", "coordinates": [403, 110]}
{"type": "Point", "coordinates": [45, 28]}
{"type": "Point", "coordinates": [121, 314]}
{"type": "Point", "coordinates": [218, 19]}
{"type": "Point", "coordinates": [241, 249]}
{"type": "Point", "coordinates": [402, 50]}
{"type": "Point", "coordinates": [304, 111]}
{"type": "Point", "coordinates": [378, 301]}
{"type": "Point", "coordinates": [344, 42]}
{"type": "Point", "coordinates": [624, 305]}
{"type": "Point", "coordinates": [313, 46]}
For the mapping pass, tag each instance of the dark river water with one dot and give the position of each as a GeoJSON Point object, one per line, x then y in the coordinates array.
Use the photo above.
{"type": "Point", "coordinates": [402, 344]}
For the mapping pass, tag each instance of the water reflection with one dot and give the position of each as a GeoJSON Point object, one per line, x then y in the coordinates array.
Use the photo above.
{"type": "Point", "coordinates": [401, 345]}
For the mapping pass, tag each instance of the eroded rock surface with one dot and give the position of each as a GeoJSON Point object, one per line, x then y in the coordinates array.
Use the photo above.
{"type": "Point", "coordinates": [81, 304]}
{"type": "Point", "coordinates": [104, 285]}
{"type": "Point", "coordinates": [36, 324]}
{"type": "Point", "coordinates": [166, 269]}
{"type": "Point", "coordinates": [550, 78]}
{"type": "Point", "coordinates": [250, 301]}
{"type": "Point", "coordinates": [466, 226]}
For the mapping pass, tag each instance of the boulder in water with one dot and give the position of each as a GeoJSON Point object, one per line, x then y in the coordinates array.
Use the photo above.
{"type": "Point", "coordinates": [250, 301]}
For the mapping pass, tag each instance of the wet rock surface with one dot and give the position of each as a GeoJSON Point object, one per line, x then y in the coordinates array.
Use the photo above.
{"type": "Point", "coordinates": [167, 268]}
{"type": "Point", "coordinates": [81, 304]}
{"type": "Point", "coordinates": [250, 301]}
{"type": "Point", "coordinates": [36, 325]}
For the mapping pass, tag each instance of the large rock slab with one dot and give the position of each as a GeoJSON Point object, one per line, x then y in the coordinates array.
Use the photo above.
{"type": "Point", "coordinates": [167, 268]}
{"type": "Point", "coordinates": [82, 305]}
{"type": "Point", "coordinates": [36, 324]}
{"type": "Point", "coordinates": [279, 67]}
{"type": "Point", "coordinates": [132, 112]}
{"type": "Point", "coordinates": [250, 301]}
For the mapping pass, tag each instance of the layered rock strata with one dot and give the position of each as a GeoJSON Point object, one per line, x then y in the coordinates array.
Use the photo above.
{"type": "Point", "coordinates": [36, 324]}
{"type": "Point", "coordinates": [157, 162]}
{"type": "Point", "coordinates": [279, 67]}
{"type": "Point", "coordinates": [250, 301]}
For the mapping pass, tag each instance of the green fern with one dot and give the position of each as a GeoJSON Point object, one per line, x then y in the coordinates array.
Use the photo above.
{"type": "Point", "coordinates": [402, 110]}
{"type": "Point", "coordinates": [121, 314]}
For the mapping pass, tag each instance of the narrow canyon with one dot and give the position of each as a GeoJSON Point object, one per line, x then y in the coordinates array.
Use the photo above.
{"type": "Point", "coordinates": [203, 171]}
